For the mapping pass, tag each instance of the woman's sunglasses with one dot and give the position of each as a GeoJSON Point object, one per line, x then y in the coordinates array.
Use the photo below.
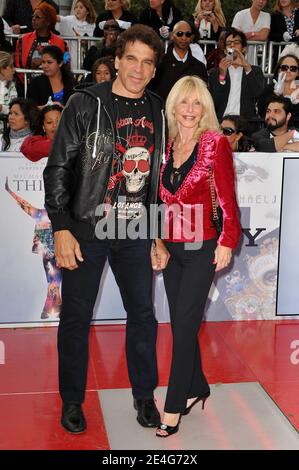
{"type": "Point", "coordinates": [291, 68]}
{"type": "Point", "coordinates": [183, 33]}
{"type": "Point", "coordinates": [227, 130]}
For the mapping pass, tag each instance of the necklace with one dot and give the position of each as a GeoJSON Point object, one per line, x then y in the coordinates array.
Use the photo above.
{"type": "Point", "coordinates": [130, 101]}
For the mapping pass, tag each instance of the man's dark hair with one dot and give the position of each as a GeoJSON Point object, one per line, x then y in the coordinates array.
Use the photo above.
{"type": "Point", "coordinates": [142, 33]}
{"type": "Point", "coordinates": [235, 32]}
{"type": "Point", "coordinates": [287, 106]}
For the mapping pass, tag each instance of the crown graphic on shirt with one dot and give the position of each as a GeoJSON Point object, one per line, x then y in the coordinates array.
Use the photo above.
{"type": "Point", "coordinates": [137, 140]}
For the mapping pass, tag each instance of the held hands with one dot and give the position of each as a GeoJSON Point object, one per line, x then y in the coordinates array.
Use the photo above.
{"type": "Point", "coordinates": [67, 250]}
{"type": "Point", "coordinates": [223, 256]}
{"type": "Point", "coordinates": [159, 255]}
{"type": "Point", "coordinates": [279, 83]}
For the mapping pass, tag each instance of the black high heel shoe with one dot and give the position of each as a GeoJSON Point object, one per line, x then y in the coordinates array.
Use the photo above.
{"type": "Point", "coordinates": [202, 398]}
{"type": "Point", "coordinates": [169, 429]}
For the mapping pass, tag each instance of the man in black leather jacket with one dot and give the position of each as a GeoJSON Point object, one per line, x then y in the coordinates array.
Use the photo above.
{"type": "Point", "coordinates": [107, 149]}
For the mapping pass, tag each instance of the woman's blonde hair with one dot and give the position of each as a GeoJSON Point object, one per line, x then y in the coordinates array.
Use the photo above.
{"type": "Point", "coordinates": [217, 10]}
{"type": "Point", "coordinates": [277, 7]}
{"type": "Point", "coordinates": [125, 4]}
{"type": "Point", "coordinates": [181, 90]}
{"type": "Point", "coordinates": [91, 13]}
{"type": "Point", "coordinates": [5, 59]}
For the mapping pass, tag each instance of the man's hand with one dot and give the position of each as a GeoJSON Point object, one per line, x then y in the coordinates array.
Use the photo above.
{"type": "Point", "coordinates": [240, 61]}
{"type": "Point", "coordinates": [159, 255]}
{"type": "Point", "coordinates": [223, 66]}
{"type": "Point", "coordinates": [67, 250]}
{"type": "Point", "coordinates": [223, 256]}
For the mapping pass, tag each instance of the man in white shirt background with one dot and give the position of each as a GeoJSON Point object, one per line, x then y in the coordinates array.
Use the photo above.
{"type": "Point", "coordinates": [255, 23]}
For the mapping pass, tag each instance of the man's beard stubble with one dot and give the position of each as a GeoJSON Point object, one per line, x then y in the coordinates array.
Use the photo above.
{"type": "Point", "coordinates": [272, 127]}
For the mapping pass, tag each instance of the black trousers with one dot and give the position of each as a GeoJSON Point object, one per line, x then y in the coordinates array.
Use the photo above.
{"type": "Point", "coordinates": [131, 266]}
{"type": "Point", "coordinates": [188, 278]}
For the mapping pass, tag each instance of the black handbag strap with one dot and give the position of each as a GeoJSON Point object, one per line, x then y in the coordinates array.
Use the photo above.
{"type": "Point", "coordinates": [213, 194]}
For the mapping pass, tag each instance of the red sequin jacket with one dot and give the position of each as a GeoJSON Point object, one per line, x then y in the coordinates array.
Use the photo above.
{"type": "Point", "coordinates": [213, 151]}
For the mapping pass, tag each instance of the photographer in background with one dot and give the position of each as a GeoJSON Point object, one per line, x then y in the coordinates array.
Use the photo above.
{"type": "Point", "coordinates": [235, 85]}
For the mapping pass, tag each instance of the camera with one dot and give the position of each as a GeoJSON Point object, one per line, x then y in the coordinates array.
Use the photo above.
{"type": "Point", "coordinates": [206, 13]}
{"type": "Point", "coordinates": [229, 53]}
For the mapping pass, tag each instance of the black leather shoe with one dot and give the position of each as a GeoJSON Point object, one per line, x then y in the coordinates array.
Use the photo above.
{"type": "Point", "coordinates": [72, 418]}
{"type": "Point", "coordinates": [147, 413]}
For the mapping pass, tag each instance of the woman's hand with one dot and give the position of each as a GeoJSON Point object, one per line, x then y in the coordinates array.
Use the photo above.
{"type": "Point", "coordinates": [294, 97]}
{"type": "Point", "coordinates": [223, 256]}
{"type": "Point", "coordinates": [279, 83]}
{"type": "Point", "coordinates": [159, 255]}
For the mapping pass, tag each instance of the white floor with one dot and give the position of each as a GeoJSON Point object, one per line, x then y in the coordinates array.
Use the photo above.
{"type": "Point", "coordinates": [237, 416]}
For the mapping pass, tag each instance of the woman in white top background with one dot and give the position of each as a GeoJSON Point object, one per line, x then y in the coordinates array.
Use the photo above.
{"type": "Point", "coordinates": [81, 23]}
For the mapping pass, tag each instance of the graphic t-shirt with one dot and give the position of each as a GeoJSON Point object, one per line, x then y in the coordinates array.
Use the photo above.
{"type": "Point", "coordinates": [130, 171]}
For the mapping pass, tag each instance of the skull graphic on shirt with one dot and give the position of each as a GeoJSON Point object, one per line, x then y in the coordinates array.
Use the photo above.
{"type": "Point", "coordinates": [136, 168]}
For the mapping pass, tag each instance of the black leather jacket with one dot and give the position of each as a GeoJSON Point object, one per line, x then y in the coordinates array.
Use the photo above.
{"type": "Point", "coordinates": [79, 166]}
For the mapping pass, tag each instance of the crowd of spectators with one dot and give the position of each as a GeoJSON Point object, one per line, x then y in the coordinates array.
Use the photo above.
{"type": "Point", "coordinates": [245, 102]}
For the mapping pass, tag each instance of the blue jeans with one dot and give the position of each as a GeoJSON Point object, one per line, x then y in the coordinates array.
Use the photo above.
{"type": "Point", "coordinates": [131, 266]}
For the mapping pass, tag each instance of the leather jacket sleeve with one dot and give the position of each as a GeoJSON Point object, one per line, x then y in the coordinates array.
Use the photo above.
{"type": "Point", "coordinates": [59, 174]}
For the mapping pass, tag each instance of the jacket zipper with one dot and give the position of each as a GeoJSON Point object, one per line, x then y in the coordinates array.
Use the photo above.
{"type": "Point", "coordinates": [105, 191]}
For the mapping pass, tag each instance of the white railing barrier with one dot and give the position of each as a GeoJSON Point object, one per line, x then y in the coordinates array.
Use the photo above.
{"type": "Point", "coordinates": [69, 39]}
{"type": "Point", "coordinates": [28, 72]}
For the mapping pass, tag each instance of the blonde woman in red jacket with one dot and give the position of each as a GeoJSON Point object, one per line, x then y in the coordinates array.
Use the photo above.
{"type": "Point", "coordinates": [197, 153]}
